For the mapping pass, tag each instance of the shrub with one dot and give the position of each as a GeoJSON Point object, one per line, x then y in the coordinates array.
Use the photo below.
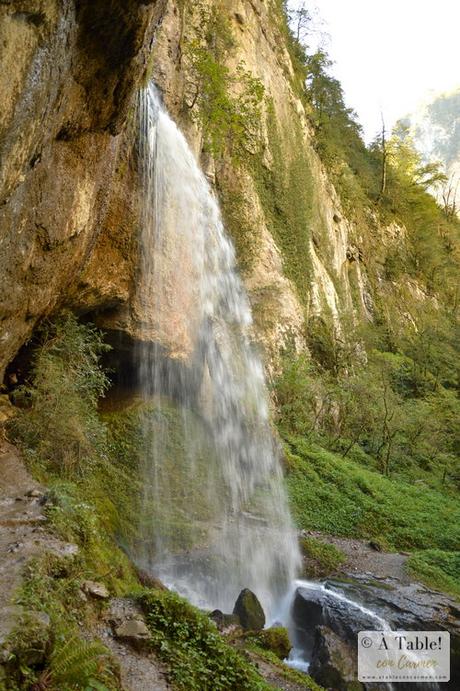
{"type": "Point", "coordinates": [197, 655]}
{"type": "Point", "coordinates": [61, 428]}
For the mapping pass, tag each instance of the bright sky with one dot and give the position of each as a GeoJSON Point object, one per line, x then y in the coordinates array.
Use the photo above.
{"type": "Point", "coordinates": [389, 54]}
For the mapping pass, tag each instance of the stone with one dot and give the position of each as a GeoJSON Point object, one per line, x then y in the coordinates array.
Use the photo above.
{"type": "Point", "coordinates": [150, 581]}
{"type": "Point", "coordinates": [224, 622]}
{"type": "Point", "coordinates": [333, 662]}
{"type": "Point", "coordinates": [134, 632]}
{"type": "Point", "coordinates": [249, 611]}
{"type": "Point", "coordinates": [34, 493]}
{"type": "Point", "coordinates": [97, 590]}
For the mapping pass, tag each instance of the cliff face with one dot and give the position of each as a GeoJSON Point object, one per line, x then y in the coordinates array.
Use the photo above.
{"type": "Point", "coordinates": [69, 72]}
{"type": "Point", "coordinates": [69, 194]}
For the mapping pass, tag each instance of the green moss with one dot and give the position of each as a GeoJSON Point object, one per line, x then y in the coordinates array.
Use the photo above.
{"type": "Point", "coordinates": [187, 512]}
{"type": "Point", "coordinates": [285, 190]}
{"type": "Point", "coordinates": [197, 656]}
{"type": "Point", "coordinates": [322, 558]}
{"type": "Point", "coordinates": [291, 675]}
{"type": "Point", "coordinates": [239, 222]}
{"type": "Point", "coordinates": [274, 639]}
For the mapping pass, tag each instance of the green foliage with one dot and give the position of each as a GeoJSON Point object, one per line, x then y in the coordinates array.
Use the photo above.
{"type": "Point", "coordinates": [189, 643]}
{"type": "Point", "coordinates": [363, 503]}
{"type": "Point", "coordinates": [274, 639]}
{"type": "Point", "coordinates": [225, 102]}
{"type": "Point", "coordinates": [66, 443]}
{"type": "Point", "coordinates": [437, 569]}
{"type": "Point", "coordinates": [301, 680]}
{"type": "Point", "coordinates": [54, 656]}
{"type": "Point", "coordinates": [322, 558]}
{"type": "Point", "coordinates": [238, 217]}
{"type": "Point", "coordinates": [60, 427]}
{"type": "Point", "coordinates": [285, 190]}
{"type": "Point", "coordinates": [78, 664]}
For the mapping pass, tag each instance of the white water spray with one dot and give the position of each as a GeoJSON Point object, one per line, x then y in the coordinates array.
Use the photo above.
{"type": "Point", "coordinates": [215, 517]}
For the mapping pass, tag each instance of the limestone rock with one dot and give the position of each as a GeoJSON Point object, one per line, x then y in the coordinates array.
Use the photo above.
{"type": "Point", "coordinates": [249, 611]}
{"type": "Point", "coordinates": [134, 632]}
{"type": "Point", "coordinates": [96, 590]}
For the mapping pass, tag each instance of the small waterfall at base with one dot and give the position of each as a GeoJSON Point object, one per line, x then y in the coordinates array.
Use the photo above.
{"type": "Point", "coordinates": [214, 517]}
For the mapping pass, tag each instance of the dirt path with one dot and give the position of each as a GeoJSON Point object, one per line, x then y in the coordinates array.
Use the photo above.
{"type": "Point", "coordinates": [364, 559]}
{"type": "Point", "coordinates": [22, 535]}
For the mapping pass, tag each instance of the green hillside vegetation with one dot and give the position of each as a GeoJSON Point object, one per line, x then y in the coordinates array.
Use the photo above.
{"type": "Point", "coordinates": [371, 421]}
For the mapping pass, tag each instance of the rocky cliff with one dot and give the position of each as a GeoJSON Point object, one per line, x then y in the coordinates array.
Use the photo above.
{"type": "Point", "coordinates": [69, 186]}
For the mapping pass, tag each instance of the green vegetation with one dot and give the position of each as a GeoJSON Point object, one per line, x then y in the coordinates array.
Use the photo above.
{"type": "Point", "coordinates": [132, 433]}
{"type": "Point", "coordinates": [437, 569]}
{"type": "Point", "coordinates": [275, 639]}
{"type": "Point", "coordinates": [225, 102]}
{"type": "Point", "coordinates": [47, 647]}
{"type": "Point", "coordinates": [285, 190]}
{"type": "Point", "coordinates": [91, 501]}
{"type": "Point", "coordinates": [363, 503]}
{"type": "Point", "coordinates": [298, 678]}
{"type": "Point", "coordinates": [189, 643]}
{"type": "Point", "coordinates": [322, 558]}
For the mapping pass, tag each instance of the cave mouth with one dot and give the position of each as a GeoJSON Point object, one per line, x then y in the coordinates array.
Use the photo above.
{"type": "Point", "coordinates": [121, 363]}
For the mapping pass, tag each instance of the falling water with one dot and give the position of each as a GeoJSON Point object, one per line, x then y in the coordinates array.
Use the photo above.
{"type": "Point", "coordinates": [214, 517]}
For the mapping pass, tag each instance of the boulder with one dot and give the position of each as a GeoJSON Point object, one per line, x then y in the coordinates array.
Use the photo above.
{"type": "Point", "coordinates": [249, 611]}
{"type": "Point", "coordinates": [333, 662]}
{"type": "Point", "coordinates": [134, 632]}
{"type": "Point", "coordinates": [97, 590]}
{"type": "Point", "coordinates": [318, 606]}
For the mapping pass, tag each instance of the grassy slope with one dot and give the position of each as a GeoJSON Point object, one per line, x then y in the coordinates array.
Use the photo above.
{"type": "Point", "coordinates": [341, 497]}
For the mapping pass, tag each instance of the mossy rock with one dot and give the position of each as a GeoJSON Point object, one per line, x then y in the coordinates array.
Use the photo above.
{"type": "Point", "coordinates": [321, 559]}
{"type": "Point", "coordinates": [275, 639]}
{"type": "Point", "coordinates": [249, 611]}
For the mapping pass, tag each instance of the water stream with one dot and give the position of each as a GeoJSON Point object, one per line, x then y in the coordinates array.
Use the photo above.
{"type": "Point", "coordinates": [215, 517]}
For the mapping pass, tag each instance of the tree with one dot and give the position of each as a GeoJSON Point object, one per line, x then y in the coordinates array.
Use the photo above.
{"type": "Point", "coordinates": [299, 19]}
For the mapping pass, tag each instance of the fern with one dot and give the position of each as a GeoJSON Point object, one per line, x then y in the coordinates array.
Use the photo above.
{"type": "Point", "coordinates": [79, 664]}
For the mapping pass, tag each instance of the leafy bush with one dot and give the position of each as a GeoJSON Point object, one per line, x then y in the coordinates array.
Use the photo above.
{"type": "Point", "coordinates": [196, 654]}
{"type": "Point", "coordinates": [60, 428]}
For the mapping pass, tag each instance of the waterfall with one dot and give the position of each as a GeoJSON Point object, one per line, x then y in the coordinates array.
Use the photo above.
{"type": "Point", "coordinates": [214, 515]}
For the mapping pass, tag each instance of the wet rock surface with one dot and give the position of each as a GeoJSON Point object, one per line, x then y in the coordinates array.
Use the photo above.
{"type": "Point", "coordinates": [326, 620]}
{"type": "Point", "coordinates": [70, 71]}
{"type": "Point", "coordinates": [333, 662]}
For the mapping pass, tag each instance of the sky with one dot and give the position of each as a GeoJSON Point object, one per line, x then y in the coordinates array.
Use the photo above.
{"type": "Point", "coordinates": [390, 54]}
